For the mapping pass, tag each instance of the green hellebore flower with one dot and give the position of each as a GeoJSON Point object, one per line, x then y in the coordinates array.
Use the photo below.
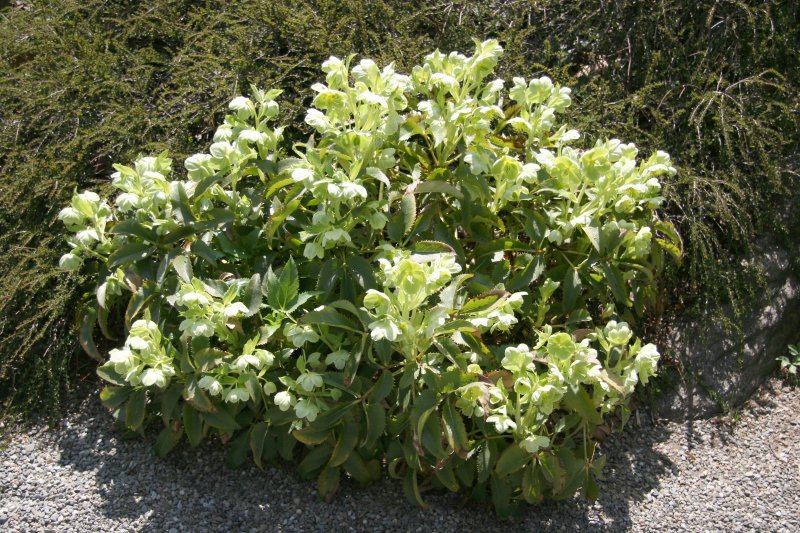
{"type": "Point", "coordinates": [210, 384]}
{"type": "Point", "coordinates": [71, 218]}
{"type": "Point", "coordinates": [284, 400]}
{"type": "Point", "coordinates": [154, 376]}
{"type": "Point", "coordinates": [307, 409]}
{"type": "Point", "coordinates": [618, 333]}
{"type": "Point", "coordinates": [309, 381]}
{"type": "Point", "coordinates": [517, 358]}
{"type": "Point", "coordinates": [534, 443]}
{"type": "Point", "coordinates": [338, 359]}
{"type": "Point", "coordinates": [70, 262]}
{"type": "Point", "coordinates": [237, 395]}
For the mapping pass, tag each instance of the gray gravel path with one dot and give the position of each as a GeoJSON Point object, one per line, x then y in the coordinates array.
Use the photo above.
{"type": "Point", "coordinates": [703, 476]}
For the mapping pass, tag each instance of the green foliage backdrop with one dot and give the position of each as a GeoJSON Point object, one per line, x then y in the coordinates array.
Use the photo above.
{"type": "Point", "coordinates": [86, 83]}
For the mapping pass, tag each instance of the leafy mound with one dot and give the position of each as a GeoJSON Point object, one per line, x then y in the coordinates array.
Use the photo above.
{"type": "Point", "coordinates": [85, 83]}
{"type": "Point", "coordinates": [439, 277]}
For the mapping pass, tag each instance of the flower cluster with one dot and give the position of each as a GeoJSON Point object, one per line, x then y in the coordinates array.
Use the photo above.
{"type": "Point", "coordinates": [444, 277]}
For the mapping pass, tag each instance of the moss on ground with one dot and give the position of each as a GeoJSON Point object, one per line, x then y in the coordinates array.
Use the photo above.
{"type": "Point", "coordinates": [87, 83]}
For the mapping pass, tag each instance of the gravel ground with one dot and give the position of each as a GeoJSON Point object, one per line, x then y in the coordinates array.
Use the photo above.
{"type": "Point", "coordinates": [711, 475]}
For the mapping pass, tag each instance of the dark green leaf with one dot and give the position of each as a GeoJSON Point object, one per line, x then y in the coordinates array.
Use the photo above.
{"type": "Point", "coordinates": [135, 409]}
{"type": "Point", "coordinates": [441, 187]}
{"type": "Point", "coordinates": [348, 436]}
{"type": "Point", "coordinates": [238, 451]}
{"type": "Point", "coordinates": [411, 488]}
{"type": "Point", "coordinates": [582, 403]}
{"type": "Point", "coordinates": [616, 283]}
{"type": "Point", "coordinates": [330, 317]}
{"type": "Point", "coordinates": [447, 477]}
{"type": "Point", "coordinates": [314, 461]}
{"type": "Point", "coordinates": [113, 397]}
{"type": "Point", "coordinates": [220, 419]}
{"type": "Point", "coordinates": [169, 399]}
{"type": "Point", "coordinates": [376, 423]}
{"type": "Point", "coordinates": [501, 497]}
{"type": "Point", "coordinates": [166, 441]}
{"type": "Point", "coordinates": [108, 373]}
{"type": "Point", "coordinates": [204, 251]}
{"type": "Point", "coordinates": [132, 228]}
{"type": "Point", "coordinates": [88, 317]}
{"type": "Point", "coordinates": [283, 289]}
{"type": "Point", "coordinates": [192, 425]}
{"type": "Point", "coordinates": [258, 436]}
{"type": "Point", "coordinates": [328, 483]}
{"type": "Point", "coordinates": [572, 289]}
{"type": "Point", "coordinates": [180, 203]}
{"type": "Point", "coordinates": [252, 295]}
{"type": "Point", "coordinates": [483, 303]}
{"type": "Point", "coordinates": [528, 275]}
{"type": "Point", "coordinates": [383, 386]}
{"type": "Point", "coordinates": [431, 437]}
{"type": "Point", "coordinates": [311, 435]}
{"type": "Point", "coordinates": [454, 426]}
{"type": "Point", "coordinates": [361, 270]}
{"type": "Point", "coordinates": [512, 459]}
{"type": "Point", "coordinates": [183, 266]}
{"type": "Point", "coordinates": [129, 253]}
{"type": "Point", "coordinates": [328, 275]}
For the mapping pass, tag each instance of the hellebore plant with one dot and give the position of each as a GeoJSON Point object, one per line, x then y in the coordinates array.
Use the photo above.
{"type": "Point", "coordinates": [444, 279]}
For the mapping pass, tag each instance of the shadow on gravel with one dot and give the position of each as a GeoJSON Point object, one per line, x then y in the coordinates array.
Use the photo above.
{"type": "Point", "coordinates": [192, 490]}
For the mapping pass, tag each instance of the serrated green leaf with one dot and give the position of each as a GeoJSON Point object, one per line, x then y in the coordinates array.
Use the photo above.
{"type": "Point", "coordinates": [454, 426]}
{"type": "Point", "coordinates": [328, 275]}
{"type": "Point", "coordinates": [483, 303]}
{"type": "Point", "coordinates": [376, 423]}
{"type": "Point", "coordinates": [408, 211]}
{"type": "Point", "coordinates": [183, 266]}
{"type": "Point", "coordinates": [431, 437]}
{"type": "Point", "coordinates": [252, 295]}
{"type": "Point", "coordinates": [283, 289]}
{"type": "Point", "coordinates": [447, 477]}
{"type": "Point", "coordinates": [593, 234]}
{"type": "Point", "coordinates": [204, 251]}
{"type": "Point", "coordinates": [108, 373]}
{"type": "Point", "coordinates": [383, 386]}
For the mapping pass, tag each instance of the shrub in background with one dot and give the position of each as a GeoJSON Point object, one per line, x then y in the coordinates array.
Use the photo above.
{"type": "Point", "coordinates": [442, 276]}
